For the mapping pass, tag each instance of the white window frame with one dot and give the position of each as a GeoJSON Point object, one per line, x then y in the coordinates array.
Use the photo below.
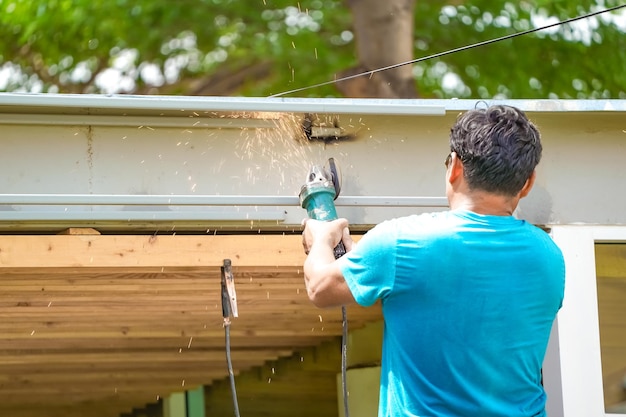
{"type": "Point", "coordinates": [573, 368]}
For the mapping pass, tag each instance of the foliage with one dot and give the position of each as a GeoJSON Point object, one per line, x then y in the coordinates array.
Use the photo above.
{"type": "Point", "coordinates": [562, 62]}
{"type": "Point", "coordinates": [264, 47]}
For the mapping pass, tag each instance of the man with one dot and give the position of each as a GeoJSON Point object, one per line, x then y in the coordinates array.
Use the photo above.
{"type": "Point", "coordinates": [468, 295]}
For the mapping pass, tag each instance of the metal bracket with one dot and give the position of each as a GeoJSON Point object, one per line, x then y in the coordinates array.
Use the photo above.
{"type": "Point", "coordinates": [229, 296]}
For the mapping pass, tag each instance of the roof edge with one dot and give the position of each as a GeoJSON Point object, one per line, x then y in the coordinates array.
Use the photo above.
{"type": "Point", "coordinates": [41, 103]}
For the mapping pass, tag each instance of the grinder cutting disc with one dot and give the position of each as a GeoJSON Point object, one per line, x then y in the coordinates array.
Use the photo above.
{"type": "Point", "coordinates": [334, 176]}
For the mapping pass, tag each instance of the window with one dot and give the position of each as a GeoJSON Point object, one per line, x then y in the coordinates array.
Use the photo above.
{"type": "Point", "coordinates": [586, 352]}
{"type": "Point", "coordinates": [611, 289]}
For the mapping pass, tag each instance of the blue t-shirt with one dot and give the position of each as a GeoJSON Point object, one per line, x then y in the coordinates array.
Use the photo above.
{"type": "Point", "coordinates": [468, 302]}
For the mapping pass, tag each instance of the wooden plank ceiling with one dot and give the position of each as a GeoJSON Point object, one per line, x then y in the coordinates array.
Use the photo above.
{"type": "Point", "coordinates": [115, 322]}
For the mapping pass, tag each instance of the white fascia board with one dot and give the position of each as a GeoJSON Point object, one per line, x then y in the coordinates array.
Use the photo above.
{"type": "Point", "coordinates": [82, 103]}
{"type": "Point", "coordinates": [123, 103]}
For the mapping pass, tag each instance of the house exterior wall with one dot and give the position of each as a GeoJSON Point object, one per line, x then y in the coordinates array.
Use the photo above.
{"type": "Point", "coordinates": [130, 151]}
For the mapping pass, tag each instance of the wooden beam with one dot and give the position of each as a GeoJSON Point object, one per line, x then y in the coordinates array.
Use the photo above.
{"type": "Point", "coordinates": [95, 333]}
{"type": "Point", "coordinates": [109, 380]}
{"type": "Point", "coordinates": [131, 395]}
{"type": "Point", "coordinates": [79, 231]}
{"type": "Point", "coordinates": [160, 251]}
{"type": "Point", "coordinates": [78, 273]}
{"type": "Point", "coordinates": [45, 361]}
{"type": "Point", "coordinates": [111, 406]}
{"type": "Point", "coordinates": [76, 342]}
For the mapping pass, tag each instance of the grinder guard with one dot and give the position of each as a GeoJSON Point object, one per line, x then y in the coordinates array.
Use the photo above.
{"type": "Point", "coordinates": [321, 188]}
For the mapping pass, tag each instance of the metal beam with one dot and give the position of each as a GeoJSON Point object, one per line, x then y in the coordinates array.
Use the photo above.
{"type": "Point", "coordinates": [211, 200]}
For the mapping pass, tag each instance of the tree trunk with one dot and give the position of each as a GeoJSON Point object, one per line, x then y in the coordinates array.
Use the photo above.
{"type": "Point", "coordinates": [384, 36]}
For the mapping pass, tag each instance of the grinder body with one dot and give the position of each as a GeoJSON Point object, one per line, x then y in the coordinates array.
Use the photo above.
{"type": "Point", "coordinates": [318, 195]}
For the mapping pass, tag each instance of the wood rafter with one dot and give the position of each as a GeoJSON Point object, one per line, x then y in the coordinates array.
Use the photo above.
{"type": "Point", "coordinates": [116, 321]}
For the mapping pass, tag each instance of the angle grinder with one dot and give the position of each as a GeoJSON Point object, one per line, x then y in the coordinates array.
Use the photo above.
{"type": "Point", "coordinates": [318, 194]}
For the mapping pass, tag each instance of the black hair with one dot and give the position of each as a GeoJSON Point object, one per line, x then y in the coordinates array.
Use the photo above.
{"type": "Point", "coordinates": [499, 148]}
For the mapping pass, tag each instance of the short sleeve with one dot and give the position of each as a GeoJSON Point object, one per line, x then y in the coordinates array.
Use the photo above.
{"type": "Point", "coordinates": [369, 269]}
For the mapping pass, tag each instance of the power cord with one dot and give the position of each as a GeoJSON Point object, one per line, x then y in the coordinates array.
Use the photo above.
{"type": "Point", "coordinates": [451, 51]}
{"type": "Point", "coordinates": [229, 308]}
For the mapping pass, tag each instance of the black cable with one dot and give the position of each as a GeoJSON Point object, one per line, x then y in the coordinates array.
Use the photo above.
{"type": "Point", "coordinates": [226, 313]}
{"type": "Point", "coordinates": [229, 362]}
{"type": "Point", "coordinates": [451, 51]}
{"type": "Point", "coordinates": [344, 360]}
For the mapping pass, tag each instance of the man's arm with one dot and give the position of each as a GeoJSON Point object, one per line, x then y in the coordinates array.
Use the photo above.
{"type": "Point", "coordinates": [326, 286]}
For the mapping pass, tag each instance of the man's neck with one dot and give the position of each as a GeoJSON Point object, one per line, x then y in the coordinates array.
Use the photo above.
{"type": "Point", "coordinates": [481, 202]}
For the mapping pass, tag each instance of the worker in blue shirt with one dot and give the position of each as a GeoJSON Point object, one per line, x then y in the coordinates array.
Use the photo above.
{"type": "Point", "coordinates": [468, 295]}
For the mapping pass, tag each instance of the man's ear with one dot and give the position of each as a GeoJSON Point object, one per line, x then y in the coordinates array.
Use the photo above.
{"type": "Point", "coordinates": [528, 185]}
{"type": "Point", "coordinates": [455, 171]}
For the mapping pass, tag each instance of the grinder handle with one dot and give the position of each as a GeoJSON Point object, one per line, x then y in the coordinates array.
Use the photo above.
{"type": "Point", "coordinates": [339, 250]}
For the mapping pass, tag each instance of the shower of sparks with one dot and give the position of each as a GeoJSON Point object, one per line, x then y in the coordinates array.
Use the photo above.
{"type": "Point", "coordinates": [279, 150]}
{"type": "Point", "coordinates": [272, 149]}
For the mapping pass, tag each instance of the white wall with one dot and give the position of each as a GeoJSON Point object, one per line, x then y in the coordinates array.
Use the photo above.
{"type": "Point", "coordinates": [578, 180]}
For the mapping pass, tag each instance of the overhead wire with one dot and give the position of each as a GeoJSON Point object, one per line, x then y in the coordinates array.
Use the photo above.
{"type": "Point", "coordinates": [449, 52]}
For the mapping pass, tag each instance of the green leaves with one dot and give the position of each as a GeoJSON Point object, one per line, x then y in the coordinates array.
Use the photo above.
{"type": "Point", "coordinates": [538, 65]}
{"type": "Point", "coordinates": [263, 47]}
